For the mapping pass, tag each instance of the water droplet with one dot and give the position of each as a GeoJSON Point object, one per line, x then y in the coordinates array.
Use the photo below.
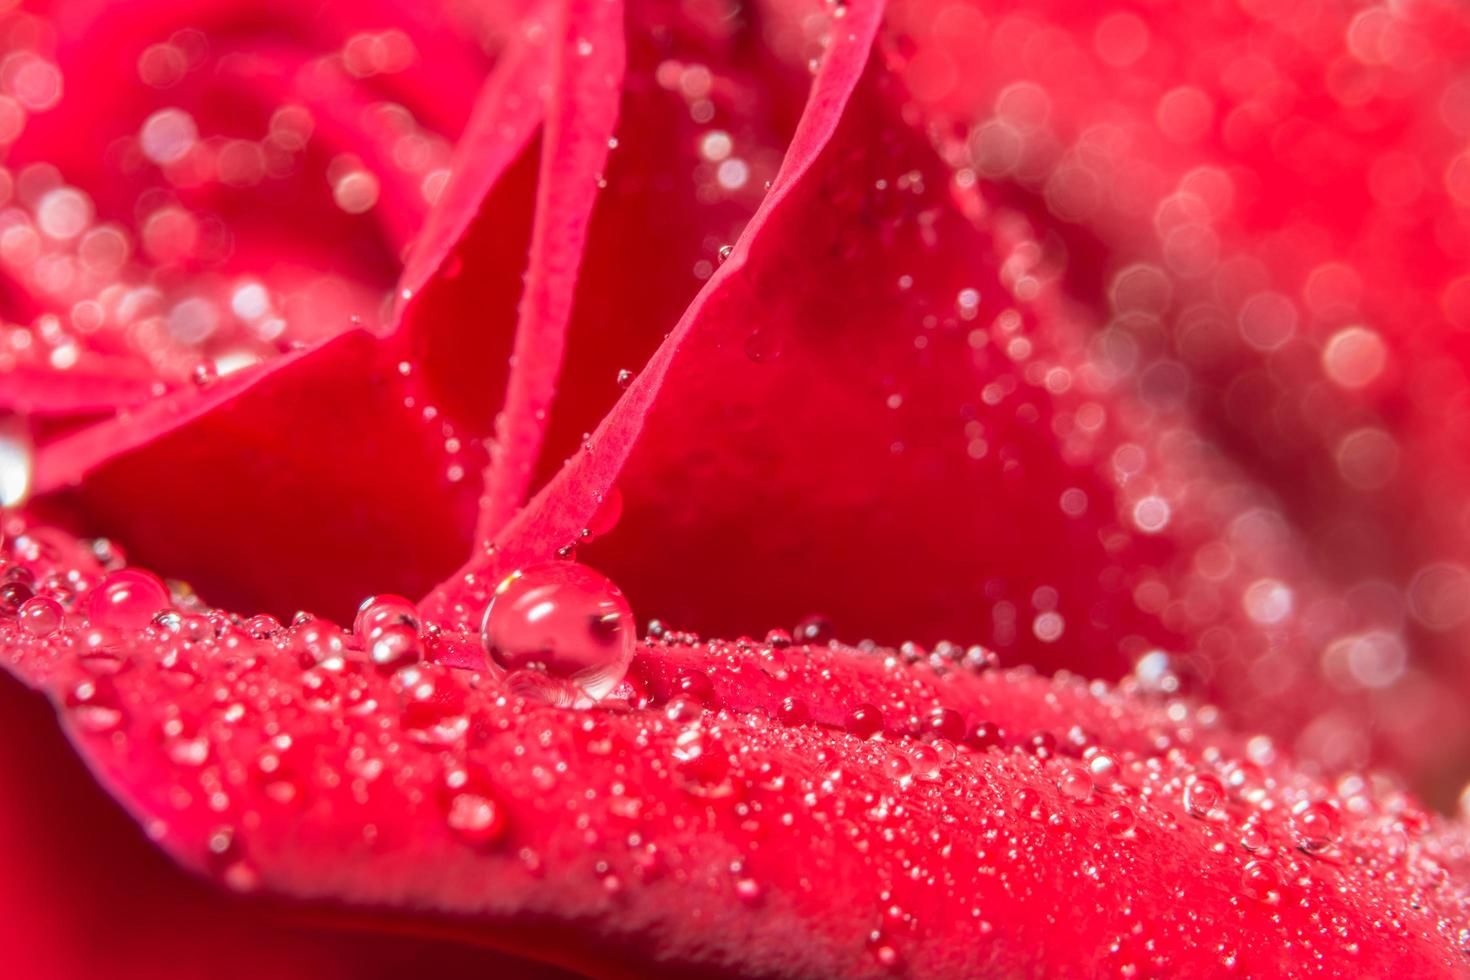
{"type": "Point", "coordinates": [1027, 801]}
{"type": "Point", "coordinates": [702, 765]}
{"type": "Point", "coordinates": [625, 378]}
{"type": "Point", "coordinates": [1103, 767]}
{"type": "Point", "coordinates": [725, 252]}
{"type": "Point", "coordinates": [319, 643]}
{"type": "Point", "coordinates": [986, 735]}
{"type": "Point", "coordinates": [1262, 882]}
{"type": "Point", "coordinates": [1202, 794]}
{"type": "Point", "coordinates": [814, 630]}
{"type": "Point", "coordinates": [263, 627]}
{"type": "Point", "coordinates": [39, 615]}
{"type": "Point", "coordinates": [696, 684]}
{"type": "Point", "coordinates": [793, 711]}
{"type": "Point", "coordinates": [13, 595]}
{"type": "Point", "coordinates": [1043, 745]}
{"type": "Point", "coordinates": [205, 373]}
{"type": "Point", "coordinates": [925, 762]}
{"type": "Point", "coordinates": [945, 723]}
{"type": "Point", "coordinates": [127, 599]}
{"type": "Point", "coordinates": [395, 647]}
{"type": "Point", "coordinates": [474, 817]}
{"type": "Point", "coordinates": [379, 612]}
{"type": "Point", "coordinates": [565, 620]}
{"type": "Point", "coordinates": [865, 721]}
{"type": "Point", "coordinates": [1316, 826]}
{"type": "Point", "coordinates": [1075, 783]}
{"type": "Point", "coordinates": [1120, 821]}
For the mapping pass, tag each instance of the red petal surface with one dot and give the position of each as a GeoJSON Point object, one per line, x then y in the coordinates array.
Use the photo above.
{"type": "Point", "coordinates": [896, 370]}
{"type": "Point", "coordinates": [721, 828]}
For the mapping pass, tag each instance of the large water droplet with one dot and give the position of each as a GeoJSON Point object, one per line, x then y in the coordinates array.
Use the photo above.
{"type": "Point", "coordinates": [127, 599]}
{"type": "Point", "coordinates": [565, 620]}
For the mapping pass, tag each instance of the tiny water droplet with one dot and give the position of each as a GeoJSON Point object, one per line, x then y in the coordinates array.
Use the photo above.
{"type": "Point", "coordinates": [725, 252]}
{"type": "Point", "coordinates": [625, 378]}
{"type": "Point", "coordinates": [763, 346]}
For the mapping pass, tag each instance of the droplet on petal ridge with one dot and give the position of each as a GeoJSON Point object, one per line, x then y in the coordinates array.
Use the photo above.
{"type": "Point", "coordinates": [565, 620]}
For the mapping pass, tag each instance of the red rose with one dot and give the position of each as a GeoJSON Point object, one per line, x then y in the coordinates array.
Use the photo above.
{"type": "Point", "coordinates": [825, 314]}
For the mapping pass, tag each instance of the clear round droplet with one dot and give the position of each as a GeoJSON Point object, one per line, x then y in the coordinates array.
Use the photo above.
{"type": "Point", "coordinates": [1120, 821]}
{"type": "Point", "coordinates": [127, 599]}
{"type": "Point", "coordinates": [1316, 826]}
{"type": "Point", "coordinates": [40, 615]}
{"type": "Point", "coordinates": [1202, 795]}
{"type": "Point", "coordinates": [565, 620]}
{"type": "Point", "coordinates": [379, 612]}
{"type": "Point", "coordinates": [1075, 783]}
{"type": "Point", "coordinates": [925, 762]}
{"type": "Point", "coordinates": [1261, 881]}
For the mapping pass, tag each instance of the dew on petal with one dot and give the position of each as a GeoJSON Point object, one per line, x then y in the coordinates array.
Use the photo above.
{"type": "Point", "coordinates": [1316, 826]}
{"type": "Point", "coordinates": [127, 599]}
{"type": "Point", "coordinates": [565, 620]}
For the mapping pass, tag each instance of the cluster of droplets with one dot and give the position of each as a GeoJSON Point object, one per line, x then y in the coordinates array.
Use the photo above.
{"type": "Point", "coordinates": [919, 762]}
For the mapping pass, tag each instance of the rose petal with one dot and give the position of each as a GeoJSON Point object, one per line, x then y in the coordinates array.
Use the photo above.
{"type": "Point", "coordinates": [722, 828]}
